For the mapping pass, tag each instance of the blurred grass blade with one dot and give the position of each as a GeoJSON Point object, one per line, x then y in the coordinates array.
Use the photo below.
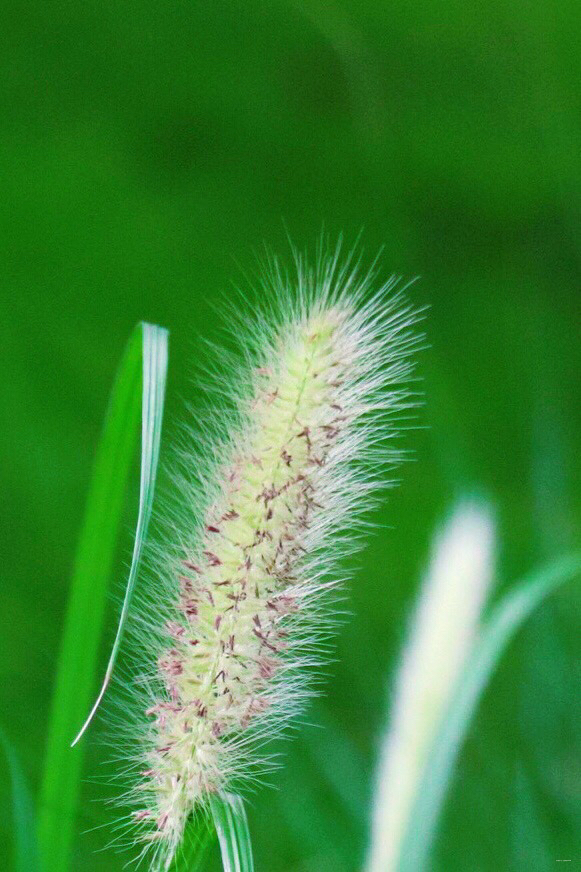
{"type": "Point", "coordinates": [505, 619]}
{"type": "Point", "coordinates": [144, 366]}
{"type": "Point", "coordinates": [25, 849]}
{"type": "Point", "coordinates": [198, 836]}
{"type": "Point", "coordinates": [232, 828]}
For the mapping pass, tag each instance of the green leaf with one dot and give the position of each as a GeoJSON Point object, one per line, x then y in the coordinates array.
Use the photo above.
{"type": "Point", "coordinates": [504, 621]}
{"type": "Point", "coordinates": [144, 366]}
{"type": "Point", "coordinates": [25, 848]}
{"type": "Point", "coordinates": [197, 838]}
{"type": "Point", "coordinates": [233, 835]}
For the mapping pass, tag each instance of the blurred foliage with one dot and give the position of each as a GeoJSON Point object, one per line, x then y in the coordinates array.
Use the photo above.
{"type": "Point", "coordinates": [147, 151]}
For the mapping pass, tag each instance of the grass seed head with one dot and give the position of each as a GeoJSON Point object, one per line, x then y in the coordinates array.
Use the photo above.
{"type": "Point", "coordinates": [234, 632]}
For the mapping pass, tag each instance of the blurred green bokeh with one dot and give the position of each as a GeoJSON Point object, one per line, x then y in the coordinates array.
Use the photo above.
{"type": "Point", "coordinates": [147, 151]}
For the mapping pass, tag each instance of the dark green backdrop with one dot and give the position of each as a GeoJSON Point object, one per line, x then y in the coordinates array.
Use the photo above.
{"type": "Point", "coordinates": [147, 149]}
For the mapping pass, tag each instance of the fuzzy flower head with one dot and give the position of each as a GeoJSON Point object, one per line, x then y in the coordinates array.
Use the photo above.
{"type": "Point", "coordinates": [443, 630]}
{"type": "Point", "coordinates": [268, 506]}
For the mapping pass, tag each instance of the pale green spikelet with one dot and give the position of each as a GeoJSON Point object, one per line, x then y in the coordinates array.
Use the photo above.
{"type": "Point", "coordinates": [242, 612]}
{"type": "Point", "coordinates": [444, 627]}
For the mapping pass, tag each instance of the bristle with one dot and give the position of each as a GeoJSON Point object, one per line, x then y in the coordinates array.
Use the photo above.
{"type": "Point", "coordinates": [236, 629]}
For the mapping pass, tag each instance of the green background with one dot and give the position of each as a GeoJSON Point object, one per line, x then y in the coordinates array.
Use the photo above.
{"type": "Point", "coordinates": [147, 151]}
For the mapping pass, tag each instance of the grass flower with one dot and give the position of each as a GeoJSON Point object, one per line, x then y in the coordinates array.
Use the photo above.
{"type": "Point", "coordinates": [271, 492]}
{"type": "Point", "coordinates": [443, 631]}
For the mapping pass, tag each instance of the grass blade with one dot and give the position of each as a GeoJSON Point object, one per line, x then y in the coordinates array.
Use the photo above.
{"type": "Point", "coordinates": [198, 836]}
{"type": "Point", "coordinates": [505, 619]}
{"type": "Point", "coordinates": [154, 377]}
{"type": "Point", "coordinates": [144, 364]}
{"type": "Point", "coordinates": [25, 848]}
{"type": "Point", "coordinates": [233, 835]}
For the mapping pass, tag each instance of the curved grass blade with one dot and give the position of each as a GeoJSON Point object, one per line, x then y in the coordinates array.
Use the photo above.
{"type": "Point", "coordinates": [505, 619]}
{"type": "Point", "coordinates": [154, 377]}
{"type": "Point", "coordinates": [25, 848]}
{"type": "Point", "coordinates": [143, 366]}
{"type": "Point", "coordinates": [233, 835]}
